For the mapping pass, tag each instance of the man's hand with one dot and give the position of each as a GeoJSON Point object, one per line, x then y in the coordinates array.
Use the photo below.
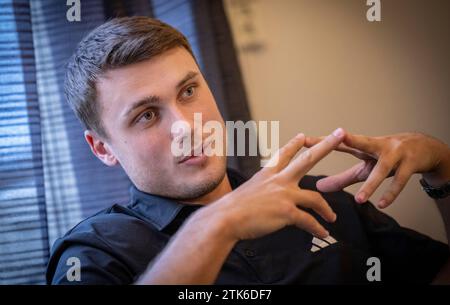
{"type": "Point", "coordinates": [399, 155]}
{"type": "Point", "coordinates": [272, 199]}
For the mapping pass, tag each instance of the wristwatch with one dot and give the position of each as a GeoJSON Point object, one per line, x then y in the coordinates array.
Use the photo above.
{"type": "Point", "coordinates": [436, 192]}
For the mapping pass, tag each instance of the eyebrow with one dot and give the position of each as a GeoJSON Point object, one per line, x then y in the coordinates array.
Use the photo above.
{"type": "Point", "coordinates": [153, 99]}
{"type": "Point", "coordinates": [190, 75]}
{"type": "Point", "coordinates": [149, 100]}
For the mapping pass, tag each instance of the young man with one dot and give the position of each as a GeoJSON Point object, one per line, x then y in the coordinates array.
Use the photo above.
{"type": "Point", "coordinates": [191, 220]}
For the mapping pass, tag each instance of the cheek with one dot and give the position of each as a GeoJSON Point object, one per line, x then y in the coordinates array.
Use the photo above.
{"type": "Point", "coordinates": [149, 151]}
{"type": "Point", "coordinates": [213, 114]}
{"type": "Point", "coordinates": [210, 111]}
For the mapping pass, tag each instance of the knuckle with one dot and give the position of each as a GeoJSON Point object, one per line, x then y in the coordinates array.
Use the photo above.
{"type": "Point", "coordinates": [263, 174]}
{"type": "Point", "coordinates": [308, 223]}
{"type": "Point", "coordinates": [284, 150]}
{"type": "Point", "coordinates": [287, 208]}
{"type": "Point", "coordinates": [316, 200]}
{"type": "Point", "coordinates": [396, 143]}
{"type": "Point", "coordinates": [384, 167]}
{"type": "Point", "coordinates": [409, 156]}
{"type": "Point", "coordinates": [306, 155]}
{"type": "Point", "coordinates": [280, 193]}
{"type": "Point", "coordinates": [324, 209]}
{"type": "Point", "coordinates": [314, 225]}
{"type": "Point", "coordinates": [317, 226]}
{"type": "Point", "coordinates": [317, 197]}
{"type": "Point", "coordinates": [272, 167]}
{"type": "Point", "coordinates": [300, 220]}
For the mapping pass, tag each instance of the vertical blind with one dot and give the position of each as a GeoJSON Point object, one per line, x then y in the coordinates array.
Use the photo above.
{"type": "Point", "coordinates": [49, 179]}
{"type": "Point", "coordinates": [23, 223]}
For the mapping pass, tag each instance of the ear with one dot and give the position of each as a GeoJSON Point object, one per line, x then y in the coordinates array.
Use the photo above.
{"type": "Point", "coordinates": [100, 148]}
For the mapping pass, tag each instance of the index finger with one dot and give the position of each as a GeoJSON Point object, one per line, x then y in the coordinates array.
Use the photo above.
{"type": "Point", "coordinates": [307, 159]}
{"type": "Point", "coordinates": [365, 144]}
{"type": "Point", "coordinates": [311, 141]}
{"type": "Point", "coordinates": [285, 154]}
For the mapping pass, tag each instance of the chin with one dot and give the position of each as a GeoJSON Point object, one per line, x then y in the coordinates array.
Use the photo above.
{"type": "Point", "coordinates": [202, 182]}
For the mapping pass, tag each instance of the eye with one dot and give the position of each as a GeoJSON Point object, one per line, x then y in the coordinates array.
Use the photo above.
{"type": "Point", "coordinates": [189, 92]}
{"type": "Point", "coordinates": [147, 116]}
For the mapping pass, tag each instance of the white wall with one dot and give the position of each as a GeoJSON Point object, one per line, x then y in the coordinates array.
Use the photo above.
{"type": "Point", "coordinates": [323, 65]}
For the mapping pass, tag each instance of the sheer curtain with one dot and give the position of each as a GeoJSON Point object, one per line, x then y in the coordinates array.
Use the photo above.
{"type": "Point", "coordinates": [49, 180]}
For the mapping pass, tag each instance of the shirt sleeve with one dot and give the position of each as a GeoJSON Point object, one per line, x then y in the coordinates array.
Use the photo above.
{"type": "Point", "coordinates": [84, 259]}
{"type": "Point", "coordinates": [406, 256]}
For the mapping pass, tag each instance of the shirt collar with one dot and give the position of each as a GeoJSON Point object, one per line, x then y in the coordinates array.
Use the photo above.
{"type": "Point", "coordinates": [161, 211]}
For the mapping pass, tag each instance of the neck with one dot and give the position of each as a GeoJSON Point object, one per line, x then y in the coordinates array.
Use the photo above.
{"type": "Point", "coordinates": [221, 190]}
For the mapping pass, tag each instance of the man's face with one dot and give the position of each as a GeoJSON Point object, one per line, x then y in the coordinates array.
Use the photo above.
{"type": "Point", "coordinates": [138, 105]}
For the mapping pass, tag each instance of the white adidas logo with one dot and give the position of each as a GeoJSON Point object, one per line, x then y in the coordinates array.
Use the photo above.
{"type": "Point", "coordinates": [319, 244]}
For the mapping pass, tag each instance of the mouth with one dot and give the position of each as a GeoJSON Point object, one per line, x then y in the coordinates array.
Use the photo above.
{"type": "Point", "coordinates": [191, 156]}
{"type": "Point", "coordinates": [195, 158]}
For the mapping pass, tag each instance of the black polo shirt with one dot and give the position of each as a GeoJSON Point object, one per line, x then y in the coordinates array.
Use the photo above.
{"type": "Point", "coordinates": [116, 245]}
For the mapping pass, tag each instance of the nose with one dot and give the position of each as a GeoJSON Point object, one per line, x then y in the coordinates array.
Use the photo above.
{"type": "Point", "coordinates": [181, 123]}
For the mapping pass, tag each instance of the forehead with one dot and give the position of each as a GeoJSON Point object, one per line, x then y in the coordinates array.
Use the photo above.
{"type": "Point", "coordinates": [156, 76]}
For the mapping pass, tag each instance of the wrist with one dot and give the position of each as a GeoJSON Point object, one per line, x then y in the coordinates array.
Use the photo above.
{"type": "Point", "coordinates": [216, 220]}
{"type": "Point", "coordinates": [441, 173]}
{"type": "Point", "coordinates": [226, 220]}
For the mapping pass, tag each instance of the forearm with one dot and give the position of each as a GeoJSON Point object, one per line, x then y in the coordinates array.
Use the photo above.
{"type": "Point", "coordinates": [195, 254]}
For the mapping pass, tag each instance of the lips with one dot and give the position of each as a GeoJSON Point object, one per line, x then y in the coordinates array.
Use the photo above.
{"type": "Point", "coordinates": [191, 155]}
{"type": "Point", "coordinates": [185, 158]}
